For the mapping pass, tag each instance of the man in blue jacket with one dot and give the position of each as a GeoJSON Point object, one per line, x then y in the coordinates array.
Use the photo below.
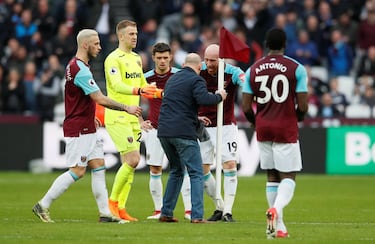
{"type": "Point", "coordinates": [178, 123]}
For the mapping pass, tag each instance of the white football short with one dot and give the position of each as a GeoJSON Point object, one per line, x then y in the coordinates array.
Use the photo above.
{"type": "Point", "coordinates": [284, 157]}
{"type": "Point", "coordinates": [80, 150]}
{"type": "Point", "coordinates": [154, 150]}
{"type": "Point", "coordinates": [229, 144]}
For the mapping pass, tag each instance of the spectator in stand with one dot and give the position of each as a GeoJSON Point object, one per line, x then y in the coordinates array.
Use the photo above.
{"type": "Point", "coordinates": [309, 8]}
{"type": "Point", "coordinates": [102, 19]}
{"type": "Point", "coordinates": [25, 29]}
{"type": "Point", "coordinates": [314, 31]}
{"type": "Point", "coordinates": [326, 23]}
{"type": "Point", "coordinates": [327, 109]}
{"type": "Point", "coordinates": [366, 36]}
{"type": "Point", "coordinates": [10, 51]}
{"type": "Point", "coordinates": [339, 56]}
{"type": "Point", "coordinates": [38, 51]}
{"type": "Point", "coordinates": [5, 24]}
{"type": "Point", "coordinates": [303, 50]}
{"type": "Point", "coordinates": [2, 83]}
{"type": "Point", "coordinates": [144, 10]}
{"type": "Point", "coordinates": [278, 7]}
{"type": "Point", "coordinates": [13, 93]}
{"type": "Point", "coordinates": [18, 60]}
{"type": "Point", "coordinates": [256, 19]}
{"type": "Point", "coordinates": [367, 64]}
{"type": "Point", "coordinates": [172, 27]}
{"type": "Point", "coordinates": [44, 20]}
{"type": "Point", "coordinates": [63, 45]}
{"type": "Point", "coordinates": [72, 13]}
{"type": "Point", "coordinates": [48, 88]}
{"type": "Point", "coordinates": [178, 54]}
{"type": "Point", "coordinates": [291, 25]}
{"type": "Point", "coordinates": [348, 28]}
{"type": "Point", "coordinates": [29, 78]}
{"type": "Point", "coordinates": [368, 97]}
{"type": "Point", "coordinates": [228, 17]}
{"type": "Point", "coordinates": [339, 99]}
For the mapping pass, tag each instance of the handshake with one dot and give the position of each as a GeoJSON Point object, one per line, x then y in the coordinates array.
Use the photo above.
{"type": "Point", "coordinates": [149, 91]}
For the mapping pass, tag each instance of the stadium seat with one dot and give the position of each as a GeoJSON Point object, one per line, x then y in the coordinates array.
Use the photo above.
{"type": "Point", "coordinates": [346, 85]}
{"type": "Point", "coordinates": [319, 72]}
{"type": "Point", "coordinates": [355, 111]}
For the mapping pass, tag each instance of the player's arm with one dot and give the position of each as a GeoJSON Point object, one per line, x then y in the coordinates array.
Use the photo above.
{"type": "Point", "coordinates": [105, 101]}
{"type": "Point", "coordinates": [247, 107]}
{"type": "Point", "coordinates": [301, 90]}
{"type": "Point", "coordinates": [247, 99]}
{"type": "Point", "coordinates": [302, 105]}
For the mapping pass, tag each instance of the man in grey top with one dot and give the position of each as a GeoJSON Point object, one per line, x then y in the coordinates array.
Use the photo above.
{"type": "Point", "coordinates": [178, 123]}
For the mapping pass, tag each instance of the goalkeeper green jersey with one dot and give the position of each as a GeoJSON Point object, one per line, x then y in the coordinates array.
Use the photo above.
{"type": "Point", "coordinates": [123, 71]}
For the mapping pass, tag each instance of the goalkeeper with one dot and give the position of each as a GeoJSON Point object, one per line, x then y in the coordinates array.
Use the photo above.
{"type": "Point", "coordinates": [125, 82]}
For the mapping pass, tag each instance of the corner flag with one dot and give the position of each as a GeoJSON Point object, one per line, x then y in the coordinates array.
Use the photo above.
{"type": "Point", "coordinates": [232, 47]}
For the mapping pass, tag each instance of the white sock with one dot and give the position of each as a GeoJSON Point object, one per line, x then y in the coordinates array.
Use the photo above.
{"type": "Point", "coordinates": [99, 189]}
{"type": "Point", "coordinates": [210, 188]}
{"type": "Point", "coordinates": [230, 188]}
{"type": "Point", "coordinates": [285, 193]}
{"type": "Point", "coordinates": [58, 187]}
{"type": "Point", "coordinates": [271, 192]}
{"type": "Point", "coordinates": [156, 190]}
{"type": "Point", "coordinates": [185, 192]}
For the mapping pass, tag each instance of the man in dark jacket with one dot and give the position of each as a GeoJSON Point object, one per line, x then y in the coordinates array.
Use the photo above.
{"type": "Point", "coordinates": [178, 123]}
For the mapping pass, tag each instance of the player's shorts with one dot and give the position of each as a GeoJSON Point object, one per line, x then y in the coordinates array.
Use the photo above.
{"type": "Point", "coordinates": [154, 150]}
{"type": "Point", "coordinates": [284, 157]}
{"type": "Point", "coordinates": [229, 145]}
{"type": "Point", "coordinates": [125, 136]}
{"type": "Point", "coordinates": [80, 150]}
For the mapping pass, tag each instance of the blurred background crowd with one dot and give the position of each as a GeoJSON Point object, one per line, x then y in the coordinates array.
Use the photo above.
{"type": "Point", "coordinates": [334, 39]}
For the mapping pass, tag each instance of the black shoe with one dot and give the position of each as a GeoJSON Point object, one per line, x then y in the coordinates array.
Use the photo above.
{"type": "Point", "coordinates": [216, 216]}
{"type": "Point", "coordinates": [228, 218]}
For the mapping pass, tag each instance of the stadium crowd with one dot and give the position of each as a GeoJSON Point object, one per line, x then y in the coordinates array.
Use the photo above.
{"type": "Point", "coordinates": [334, 39]}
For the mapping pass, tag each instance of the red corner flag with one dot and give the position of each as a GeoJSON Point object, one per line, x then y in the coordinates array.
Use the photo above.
{"type": "Point", "coordinates": [232, 47]}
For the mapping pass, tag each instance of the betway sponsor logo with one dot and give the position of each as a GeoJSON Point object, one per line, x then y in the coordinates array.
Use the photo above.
{"type": "Point", "coordinates": [132, 75]}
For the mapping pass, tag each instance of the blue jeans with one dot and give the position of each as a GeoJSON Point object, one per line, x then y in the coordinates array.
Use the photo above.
{"type": "Point", "coordinates": [183, 153]}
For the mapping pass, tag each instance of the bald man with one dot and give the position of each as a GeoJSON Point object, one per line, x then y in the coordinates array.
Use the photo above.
{"type": "Point", "coordinates": [233, 79]}
{"type": "Point", "coordinates": [84, 147]}
{"type": "Point", "coordinates": [184, 92]}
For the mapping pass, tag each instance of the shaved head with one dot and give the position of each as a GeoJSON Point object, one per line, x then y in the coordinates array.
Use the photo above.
{"type": "Point", "coordinates": [211, 58]}
{"type": "Point", "coordinates": [212, 51]}
{"type": "Point", "coordinates": [193, 61]}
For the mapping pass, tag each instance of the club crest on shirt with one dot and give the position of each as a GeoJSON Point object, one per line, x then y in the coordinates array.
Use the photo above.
{"type": "Point", "coordinates": [130, 139]}
{"type": "Point", "coordinates": [113, 70]}
{"type": "Point", "coordinates": [242, 77]}
{"type": "Point", "coordinates": [92, 82]}
{"type": "Point", "coordinates": [83, 159]}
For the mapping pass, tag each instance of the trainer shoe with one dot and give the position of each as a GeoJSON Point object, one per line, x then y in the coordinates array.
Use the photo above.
{"type": "Point", "coordinates": [125, 215]}
{"type": "Point", "coordinates": [155, 215]}
{"type": "Point", "coordinates": [42, 213]}
{"type": "Point", "coordinates": [168, 219]}
{"type": "Point", "coordinates": [113, 207]}
{"type": "Point", "coordinates": [271, 223]}
{"type": "Point", "coordinates": [228, 218]}
{"type": "Point", "coordinates": [217, 215]}
{"type": "Point", "coordinates": [187, 215]}
{"type": "Point", "coordinates": [282, 234]}
{"type": "Point", "coordinates": [112, 219]}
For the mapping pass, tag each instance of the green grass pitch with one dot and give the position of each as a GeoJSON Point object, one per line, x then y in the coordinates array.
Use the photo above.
{"type": "Point", "coordinates": [325, 209]}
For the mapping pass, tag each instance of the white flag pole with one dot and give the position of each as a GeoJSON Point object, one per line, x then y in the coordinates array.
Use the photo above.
{"type": "Point", "coordinates": [219, 131]}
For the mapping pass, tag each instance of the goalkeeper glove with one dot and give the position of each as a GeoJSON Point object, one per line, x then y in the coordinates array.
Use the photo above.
{"type": "Point", "coordinates": [147, 91]}
{"type": "Point", "coordinates": [159, 93]}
